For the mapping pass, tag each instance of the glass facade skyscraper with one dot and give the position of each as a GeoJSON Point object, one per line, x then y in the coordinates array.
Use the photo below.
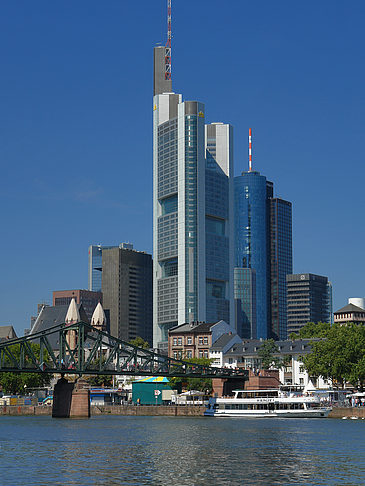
{"type": "Point", "coordinates": [251, 239]}
{"type": "Point", "coordinates": [281, 263]}
{"type": "Point", "coordinates": [192, 213]}
{"type": "Point", "coordinates": [263, 244]}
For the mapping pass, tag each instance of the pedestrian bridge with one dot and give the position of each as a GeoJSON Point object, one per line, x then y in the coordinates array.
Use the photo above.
{"type": "Point", "coordinates": [81, 349]}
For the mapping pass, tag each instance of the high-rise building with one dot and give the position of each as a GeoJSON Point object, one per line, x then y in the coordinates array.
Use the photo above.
{"type": "Point", "coordinates": [127, 292]}
{"type": "Point", "coordinates": [308, 300]}
{"type": "Point", "coordinates": [87, 298]}
{"type": "Point", "coordinates": [192, 211]}
{"type": "Point", "coordinates": [281, 263]}
{"type": "Point", "coordinates": [263, 247]}
{"type": "Point", "coordinates": [252, 242]}
{"type": "Point", "coordinates": [95, 264]}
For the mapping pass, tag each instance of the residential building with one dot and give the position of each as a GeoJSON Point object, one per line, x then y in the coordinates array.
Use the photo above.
{"type": "Point", "coordinates": [194, 339]}
{"type": "Point", "coordinates": [308, 300]}
{"type": "Point", "coordinates": [127, 292]}
{"type": "Point", "coordinates": [245, 354]}
{"type": "Point", "coordinates": [95, 264]}
{"type": "Point", "coordinates": [192, 212]}
{"type": "Point", "coordinates": [87, 298]}
{"type": "Point", "coordinates": [350, 313]}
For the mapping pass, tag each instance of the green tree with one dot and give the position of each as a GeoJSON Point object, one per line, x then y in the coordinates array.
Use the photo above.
{"type": "Point", "coordinates": [340, 356]}
{"type": "Point", "coordinates": [311, 330]}
{"type": "Point", "coordinates": [17, 383]}
{"type": "Point", "coordinates": [200, 384]}
{"type": "Point", "coordinates": [140, 343]}
{"type": "Point", "coordinates": [267, 352]}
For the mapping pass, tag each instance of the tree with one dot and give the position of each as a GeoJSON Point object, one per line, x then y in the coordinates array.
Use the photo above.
{"type": "Point", "coordinates": [311, 330]}
{"type": "Point", "coordinates": [17, 383]}
{"type": "Point", "coordinates": [200, 384]}
{"type": "Point", "coordinates": [340, 356]}
{"type": "Point", "coordinates": [140, 343]}
{"type": "Point", "coordinates": [267, 353]}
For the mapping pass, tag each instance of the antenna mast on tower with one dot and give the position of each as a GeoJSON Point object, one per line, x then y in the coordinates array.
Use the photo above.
{"type": "Point", "coordinates": [168, 43]}
{"type": "Point", "coordinates": [249, 149]}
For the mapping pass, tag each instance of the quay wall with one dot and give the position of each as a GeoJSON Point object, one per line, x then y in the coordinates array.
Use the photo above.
{"type": "Point", "coordinates": [339, 412]}
{"type": "Point", "coordinates": [172, 411]}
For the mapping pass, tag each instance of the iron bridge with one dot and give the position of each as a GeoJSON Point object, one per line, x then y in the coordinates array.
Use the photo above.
{"type": "Point", "coordinates": [96, 353]}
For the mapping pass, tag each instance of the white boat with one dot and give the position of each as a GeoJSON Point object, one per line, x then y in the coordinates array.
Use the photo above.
{"type": "Point", "coordinates": [266, 403]}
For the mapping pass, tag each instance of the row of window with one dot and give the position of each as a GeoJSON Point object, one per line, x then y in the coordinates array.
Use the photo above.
{"type": "Point", "coordinates": [178, 341]}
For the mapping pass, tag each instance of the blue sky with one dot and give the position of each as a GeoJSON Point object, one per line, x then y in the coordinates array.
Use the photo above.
{"type": "Point", "coordinates": [76, 127]}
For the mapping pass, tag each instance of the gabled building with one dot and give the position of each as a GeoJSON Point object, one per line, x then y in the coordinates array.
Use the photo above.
{"type": "Point", "coordinates": [6, 333]}
{"type": "Point", "coordinates": [193, 340]}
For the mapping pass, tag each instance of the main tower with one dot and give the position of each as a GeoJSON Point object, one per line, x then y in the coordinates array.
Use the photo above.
{"type": "Point", "coordinates": [192, 208]}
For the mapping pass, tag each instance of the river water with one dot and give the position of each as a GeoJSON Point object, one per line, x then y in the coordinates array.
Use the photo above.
{"type": "Point", "coordinates": [179, 451]}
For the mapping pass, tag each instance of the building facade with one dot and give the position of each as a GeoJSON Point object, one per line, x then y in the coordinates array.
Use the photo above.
{"type": "Point", "coordinates": [263, 245]}
{"type": "Point", "coordinates": [281, 264]}
{"type": "Point", "coordinates": [194, 339]}
{"type": "Point", "coordinates": [95, 264]}
{"type": "Point", "coordinates": [87, 298]}
{"type": "Point", "coordinates": [308, 300]}
{"type": "Point", "coordinates": [192, 212]}
{"type": "Point", "coordinates": [350, 313]}
{"type": "Point", "coordinates": [127, 293]}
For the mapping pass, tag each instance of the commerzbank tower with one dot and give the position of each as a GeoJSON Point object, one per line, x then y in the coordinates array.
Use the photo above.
{"type": "Point", "coordinates": [193, 222]}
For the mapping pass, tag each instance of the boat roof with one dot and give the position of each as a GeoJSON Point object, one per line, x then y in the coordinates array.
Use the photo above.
{"type": "Point", "coordinates": [266, 390]}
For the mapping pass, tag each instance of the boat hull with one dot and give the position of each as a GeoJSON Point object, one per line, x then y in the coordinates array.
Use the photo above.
{"type": "Point", "coordinates": [318, 413]}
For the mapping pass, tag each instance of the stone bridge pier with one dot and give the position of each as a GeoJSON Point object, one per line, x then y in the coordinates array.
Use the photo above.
{"type": "Point", "coordinates": [71, 400]}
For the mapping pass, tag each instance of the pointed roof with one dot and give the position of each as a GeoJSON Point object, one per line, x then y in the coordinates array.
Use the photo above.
{"type": "Point", "coordinates": [349, 308]}
{"type": "Point", "coordinates": [98, 318]}
{"type": "Point", "coordinates": [73, 314]}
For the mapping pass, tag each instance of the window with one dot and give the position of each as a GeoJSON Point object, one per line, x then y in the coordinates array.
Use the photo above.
{"type": "Point", "coordinates": [206, 353]}
{"type": "Point", "coordinates": [206, 340]}
{"type": "Point", "coordinates": [189, 354]}
{"type": "Point", "coordinates": [200, 340]}
{"type": "Point", "coordinates": [175, 354]}
{"type": "Point", "coordinates": [179, 341]}
{"type": "Point", "coordinates": [190, 340]}
{"type": "Point", "coordinates": [175, 341]}
{"type": "Point", "coordinates": [200, 354]}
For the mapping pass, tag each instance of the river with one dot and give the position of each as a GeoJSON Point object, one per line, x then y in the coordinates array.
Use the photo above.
{"type": "Point", "coordinates": [179, 451]}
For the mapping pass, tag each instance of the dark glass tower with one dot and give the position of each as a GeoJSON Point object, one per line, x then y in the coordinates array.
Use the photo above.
{"type": "Point", "coordinates": [251, 239]}
{"type": "Point", "coordinates": [263, 244]}
{"type": "Point", "coordinates": [281, 263]}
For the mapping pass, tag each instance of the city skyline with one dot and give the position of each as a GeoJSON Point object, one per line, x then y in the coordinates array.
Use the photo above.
{"type": "Point", "coordinates": [70, 150]}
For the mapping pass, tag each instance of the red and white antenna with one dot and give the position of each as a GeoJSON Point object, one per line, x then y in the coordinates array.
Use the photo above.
{"type": "Point", "coordinates": [249, 149]}
{"type": "Point", "coordinates": [168, 43]}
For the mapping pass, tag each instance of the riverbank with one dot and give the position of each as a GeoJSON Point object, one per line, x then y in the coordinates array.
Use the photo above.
{"type": "Point", "coordinates": [154, 410]}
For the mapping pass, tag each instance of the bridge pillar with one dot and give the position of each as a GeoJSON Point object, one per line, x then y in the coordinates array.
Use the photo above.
{"type": "Point", "coordinates": [71, 400]}
{"type": "Point", "coordinates": [225, 386]}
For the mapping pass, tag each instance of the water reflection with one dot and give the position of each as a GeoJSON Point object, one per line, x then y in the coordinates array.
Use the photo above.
{"type": "Point", "coordinates": [181, 451]}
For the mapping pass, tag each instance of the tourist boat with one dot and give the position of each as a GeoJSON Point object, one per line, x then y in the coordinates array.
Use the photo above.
{"type": "Point", "coordinates": [266, 403]}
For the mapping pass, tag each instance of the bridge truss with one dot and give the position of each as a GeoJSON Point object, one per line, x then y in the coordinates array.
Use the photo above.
{"type": "Point", "coordinates": [94, 352]}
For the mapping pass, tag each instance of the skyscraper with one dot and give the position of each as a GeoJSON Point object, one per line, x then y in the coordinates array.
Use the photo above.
{"type": "Point", "coordinates": [127, 292]}
{"type": "Point", "coordinates": [263, 245]}
{"type": "Point", "coordinates": [192, 210]}
{"type": "Point", "coordinates": [95, 264]}
{"type": "Point", "coordinates": [309, 299]}
{"type": "Point", "coordinates": [281, 263]}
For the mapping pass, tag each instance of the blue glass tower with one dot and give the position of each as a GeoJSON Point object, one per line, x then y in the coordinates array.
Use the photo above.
{"type": "Point", "coordinates": [251, 192]}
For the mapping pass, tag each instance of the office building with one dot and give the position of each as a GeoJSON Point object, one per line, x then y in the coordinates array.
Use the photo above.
{"type": "Point", "coordinates": [192, 211]}
{"type": "Point", "coordinates": [308, 300]}
{"type": "Point", "coordinates": [263, 256]}
{"type": "Point", "coordinates": [281, 263]}
{"type": "Point", "coordinates": [95, 264]}
{"type": "Point", "coordinates": [87, 298]}
{"type": "Point", "coordinates": [252, 241]}
{"type": "Point", "coordinates": [127, 292]}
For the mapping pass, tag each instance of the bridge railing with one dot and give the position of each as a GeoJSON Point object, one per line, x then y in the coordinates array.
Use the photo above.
{"type": "Point", "coordinates": [82, 349]}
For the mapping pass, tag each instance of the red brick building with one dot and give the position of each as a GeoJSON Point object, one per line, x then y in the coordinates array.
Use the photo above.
{"type": "Point", "coordinates": [87, 298]}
